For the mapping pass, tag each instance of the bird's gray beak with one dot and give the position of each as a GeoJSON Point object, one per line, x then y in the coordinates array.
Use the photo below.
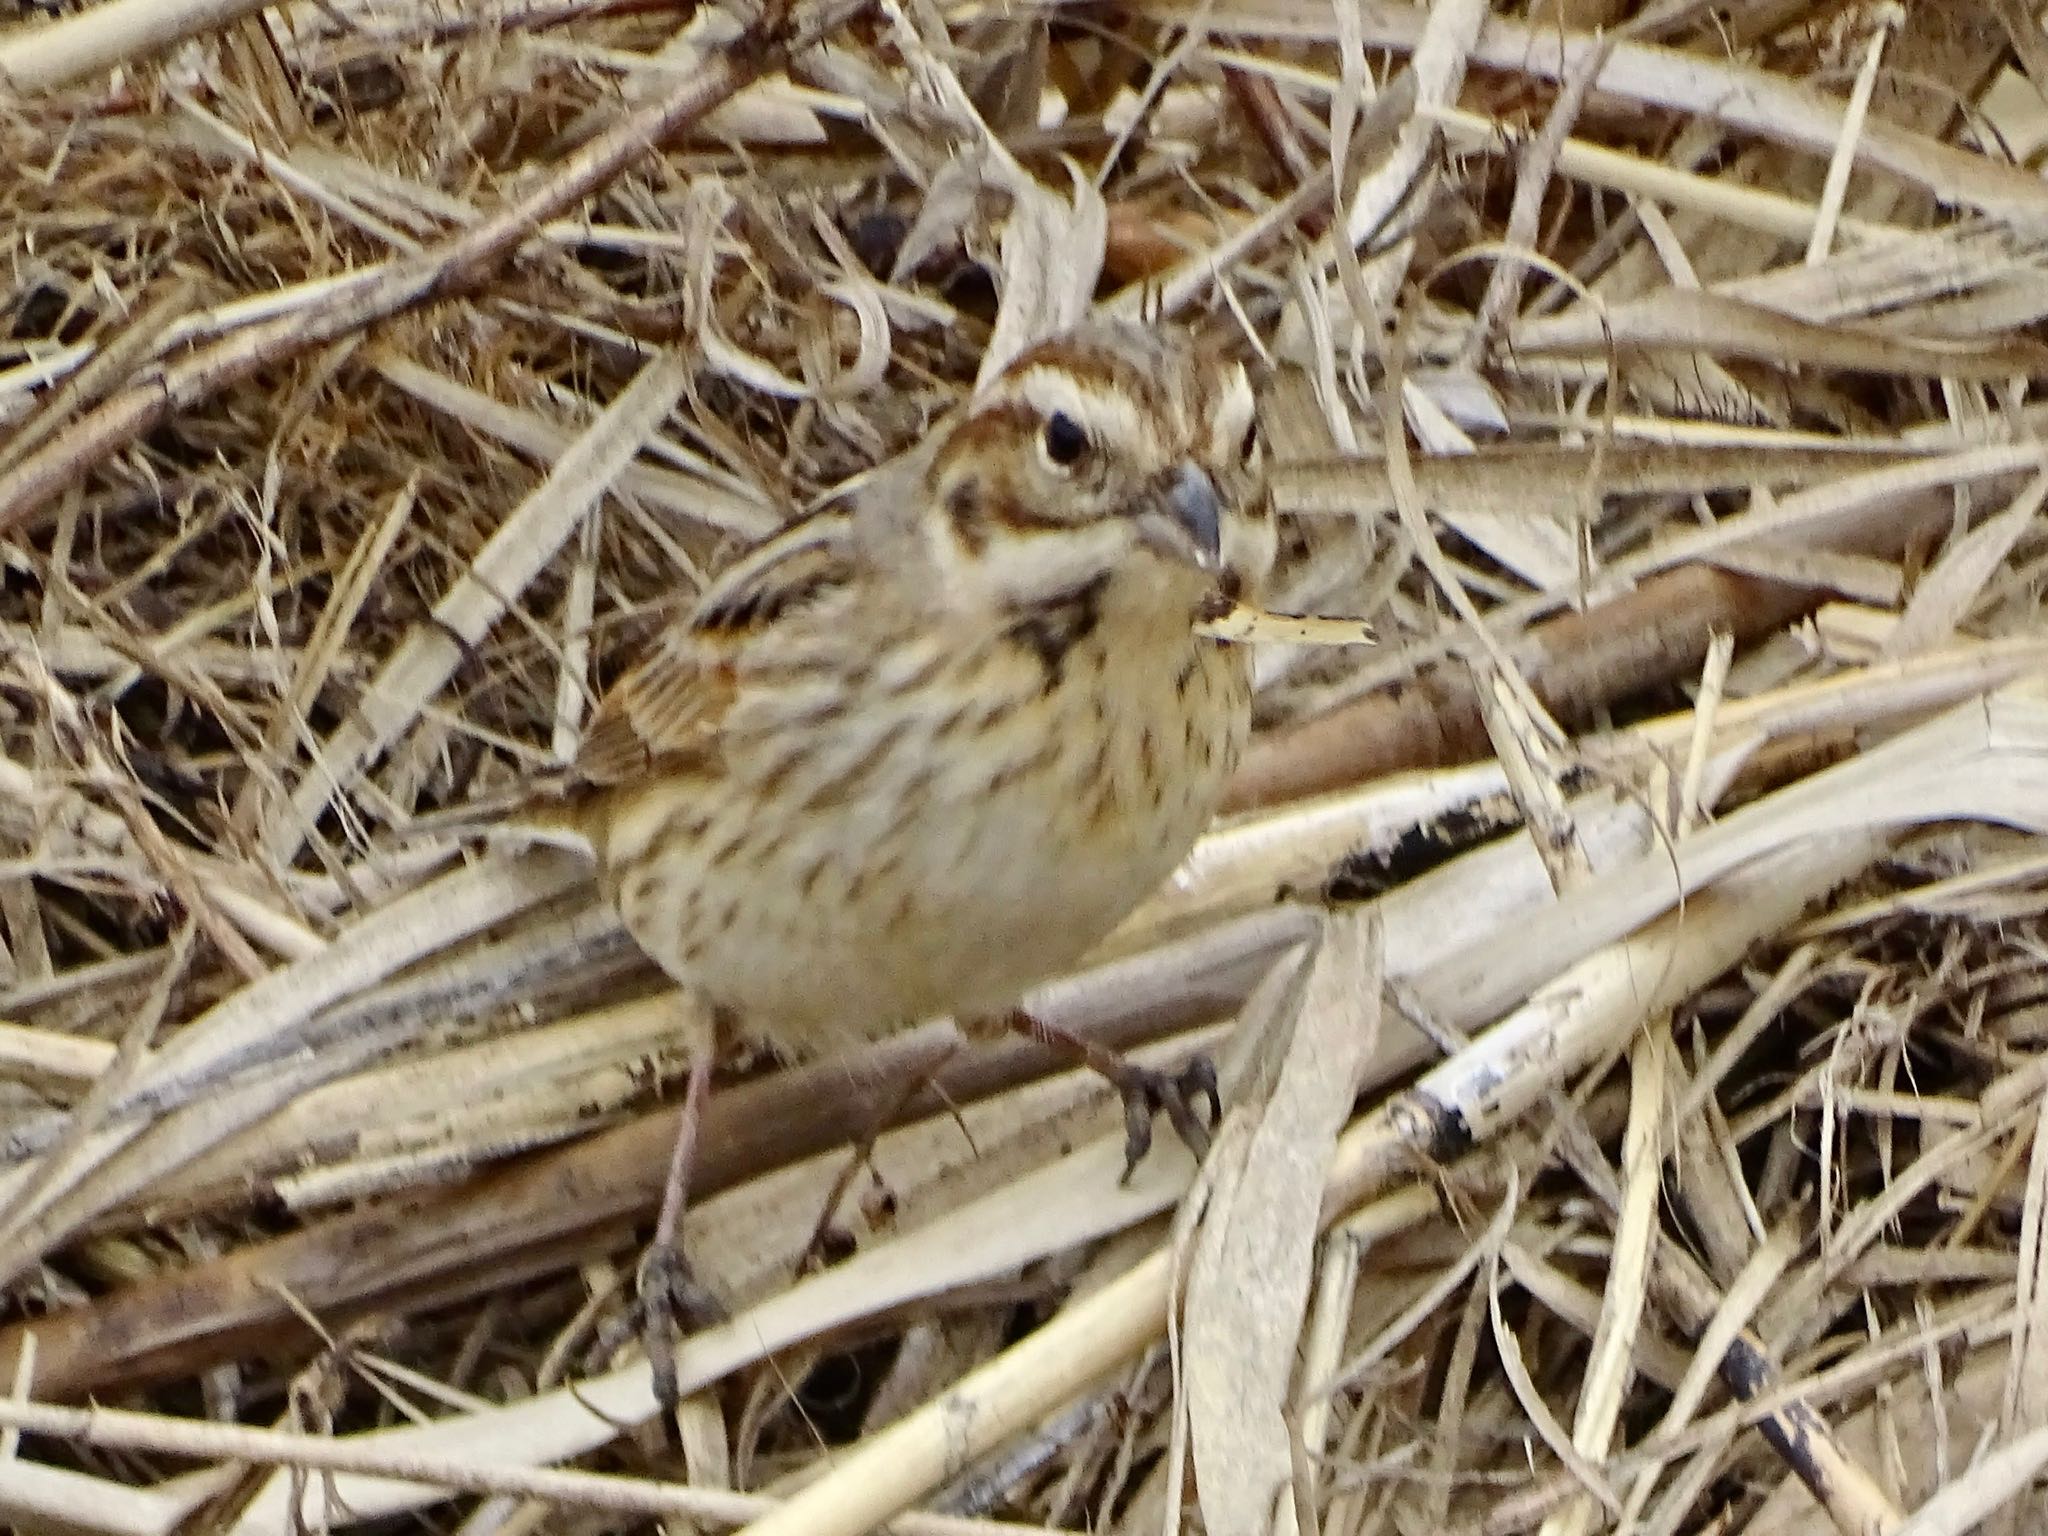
{"type": "Point", "coordinates": [1185, 522]}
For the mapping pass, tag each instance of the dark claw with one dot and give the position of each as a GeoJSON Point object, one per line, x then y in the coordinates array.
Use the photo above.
{"type": "Point", "coordinates": [1139, 1103]}
{"type": "Point", "coordinates": [668, 1298]}
{"type": "Point", "coordinates": [1146, 1092]}
{"type": "Point", "coordinates": [671, 1297]}
{"type": "Point", "coordinates": [668, 1283]}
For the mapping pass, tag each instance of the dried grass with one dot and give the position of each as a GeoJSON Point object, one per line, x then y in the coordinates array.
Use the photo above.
{"type": "Point", "coordinates": [1637, 960]}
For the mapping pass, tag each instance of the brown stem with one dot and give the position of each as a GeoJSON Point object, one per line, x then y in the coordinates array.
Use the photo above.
{"type": "Point", "coordinates": [1577, 663]}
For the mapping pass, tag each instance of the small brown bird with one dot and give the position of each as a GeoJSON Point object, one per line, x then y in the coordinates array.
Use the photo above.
{"type": "Point", "coordinates": [914, 758]}
{"type": "Point", "coordinates": [918, 756]}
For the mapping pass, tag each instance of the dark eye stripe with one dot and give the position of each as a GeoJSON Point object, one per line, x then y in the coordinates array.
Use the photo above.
{"type": "Point", "coordinates": [977, 500]}
{"type": "Point", "coordinates": [971, 439]}
{"type": "Point", "coordinates": [1017, 514]}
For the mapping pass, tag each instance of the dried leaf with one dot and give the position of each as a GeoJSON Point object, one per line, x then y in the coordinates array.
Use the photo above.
{"type": "Point", "coordinates": [1248, 1280]}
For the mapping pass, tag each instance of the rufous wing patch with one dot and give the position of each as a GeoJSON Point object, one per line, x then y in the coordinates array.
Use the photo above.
{"type": "Point", "coordinates": [665, 714]}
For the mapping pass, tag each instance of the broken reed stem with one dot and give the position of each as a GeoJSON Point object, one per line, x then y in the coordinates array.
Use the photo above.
{"type": "Point", "coordinates": [1576, 663]}
{"type": "Point", "coordinates": [66, 50]}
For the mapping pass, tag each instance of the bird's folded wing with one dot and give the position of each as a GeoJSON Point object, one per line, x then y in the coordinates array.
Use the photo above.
{"type": "Point", "coordinates": [664, 715]}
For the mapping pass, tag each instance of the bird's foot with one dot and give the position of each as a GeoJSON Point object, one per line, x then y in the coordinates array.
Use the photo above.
{"type": "Point", "coordinates": [668, 1301]}
{"type": "Point", "coordinates": [1147, 1092]}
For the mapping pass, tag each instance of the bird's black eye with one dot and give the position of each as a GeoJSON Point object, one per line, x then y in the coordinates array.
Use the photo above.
{"type": "Point", "coordinates": [1065, 441]}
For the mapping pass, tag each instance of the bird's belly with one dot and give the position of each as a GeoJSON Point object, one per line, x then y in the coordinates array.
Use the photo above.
{"type": "Point", "coordinates": [966, 868]}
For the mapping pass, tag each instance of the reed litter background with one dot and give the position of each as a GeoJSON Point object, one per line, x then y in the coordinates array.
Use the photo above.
{"type": "Point", "coordinates": [1638, 1087]}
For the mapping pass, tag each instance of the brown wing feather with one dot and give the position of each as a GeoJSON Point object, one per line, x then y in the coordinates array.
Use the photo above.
{"type": "Point", "coordinates": [664, 715]}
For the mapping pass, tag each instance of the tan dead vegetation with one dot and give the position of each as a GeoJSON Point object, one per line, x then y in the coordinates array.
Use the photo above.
{"type": "Point", "coordinates": [1629, 976]}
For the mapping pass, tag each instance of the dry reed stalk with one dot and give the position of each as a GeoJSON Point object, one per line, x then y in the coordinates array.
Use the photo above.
{"type": "Point", "coordinates": [1656, 386]}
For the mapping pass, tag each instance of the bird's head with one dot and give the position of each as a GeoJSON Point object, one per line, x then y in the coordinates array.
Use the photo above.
{"type": "Point", "coordinates": [1114, 451]}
